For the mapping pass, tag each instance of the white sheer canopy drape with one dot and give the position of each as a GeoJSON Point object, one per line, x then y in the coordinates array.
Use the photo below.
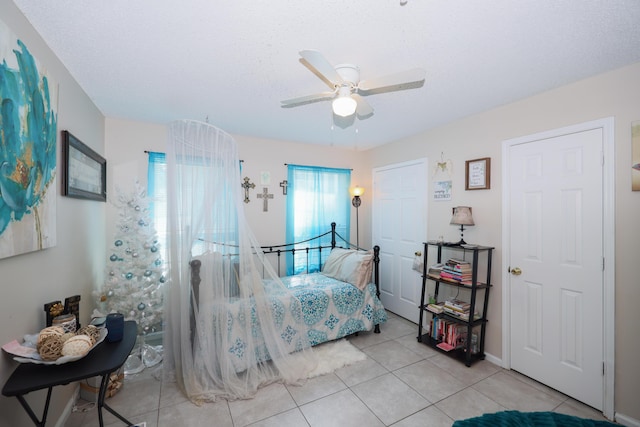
{"type": "Point", "coordinates": [206, 220]}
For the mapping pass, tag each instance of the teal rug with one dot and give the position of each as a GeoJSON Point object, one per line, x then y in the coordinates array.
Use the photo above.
{"type": "Point", "coordinates": [529, 419]}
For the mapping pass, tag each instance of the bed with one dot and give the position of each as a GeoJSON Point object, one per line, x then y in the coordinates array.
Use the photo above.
{"type": "Point", "coordinates": [339, 300]}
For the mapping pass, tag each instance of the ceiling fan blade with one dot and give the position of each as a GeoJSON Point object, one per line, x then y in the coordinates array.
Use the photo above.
{"type": "Point", "coordinates": [396, 79]}
{"type": "Point", "coordinates": [363, 109]}
{"type": "Point", "coordinates": [324, 67]}
{"type": "Point", "coordinates": [307, 99]}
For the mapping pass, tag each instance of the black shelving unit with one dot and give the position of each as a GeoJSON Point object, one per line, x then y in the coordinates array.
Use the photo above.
{"type": "Point", "coordinates": [469, 352]}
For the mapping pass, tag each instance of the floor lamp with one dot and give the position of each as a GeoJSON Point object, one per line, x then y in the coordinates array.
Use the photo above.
{"type": "Point", "coordinates": [357, 192]}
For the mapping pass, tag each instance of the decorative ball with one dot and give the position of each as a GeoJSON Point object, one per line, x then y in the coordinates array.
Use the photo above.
{"type": "Point", "coordinates": [154, 249]}
{"type": "Point", "coordinates": [110, 293]}
{"type": "Point", "coordinates": [51, 348]}
{"type": "Point", "coordinates": [66, 336]}
{"type": "Point", "coordinates": [90, 331]}
{"type": "Point", "coordinates": [162, 279]}
{"type": "Point", "coordinates": [141, 222]}
{"type": "Point", "coordinates": [134, 254]}
{"type": "Point", "coordinates": [137, 208]}
{"type": "Point", "coordinates": [129, 276]}
{"type": "Point", "coordinates": [132, 313]}
{"type": "Point", "coordinates": [103, 298]}
{"type": "Point", "coordinates": [118, 242]}
{"type": "Point", "coordinates": [113, 257]}
{"type": "Point", "coordinates": [128, 251]}
{"type": "Point", "coordinates": [141, 306]}
{"type": "Point", "coordinates": [148, 273]}
{"type": "Point", "coordinates": [158, 262]}
{"type": "Point", "coordinates": [112, 273]}
{"type": "Point", "coordinates": [55, 331]}
{"type": "Point", "coordinates": [78, 345]}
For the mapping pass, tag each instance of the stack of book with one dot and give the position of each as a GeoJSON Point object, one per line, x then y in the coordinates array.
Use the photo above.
{"type": "Point", "coordinates": [435, 270]}
{"type": "Point", "coordinates": [457, 270]}
{"type": "Point", "coordinates": [458, 308]}
{"type": "Point", "coordinates": [448, 334]}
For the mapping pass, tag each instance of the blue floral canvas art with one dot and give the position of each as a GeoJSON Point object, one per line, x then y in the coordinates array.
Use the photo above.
{"type": "Point", "coordinates": [28, 130]}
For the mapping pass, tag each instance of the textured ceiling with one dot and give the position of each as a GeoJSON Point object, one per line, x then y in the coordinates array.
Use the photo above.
{"type": "Point", "coordinates": [233, 61]}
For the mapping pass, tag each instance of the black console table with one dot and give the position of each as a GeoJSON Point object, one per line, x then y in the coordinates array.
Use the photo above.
{"type": "Point", "coordinates": [105, 358]}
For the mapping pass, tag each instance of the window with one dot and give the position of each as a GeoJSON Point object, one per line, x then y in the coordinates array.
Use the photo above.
{"type": "Point", "coordinates": [157, 194]}
{"type": "Point", "coordinates": [317, 197]}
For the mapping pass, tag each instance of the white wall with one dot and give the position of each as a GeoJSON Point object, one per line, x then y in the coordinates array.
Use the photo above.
{"type": "Point", "coordinates": [611, 94]}
{"type": "Point", "coordinates": [76, 263]}
{"type": "Point", "coordinates": [126, 142]}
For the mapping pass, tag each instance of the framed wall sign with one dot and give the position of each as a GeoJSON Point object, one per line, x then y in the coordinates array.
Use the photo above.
{"type": "Point", "coordinates": [478, 174]}
{"type": "Point", "coordinates": [84, 175]}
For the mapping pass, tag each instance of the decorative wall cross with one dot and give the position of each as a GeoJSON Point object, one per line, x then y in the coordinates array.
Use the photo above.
{"type": "Point", "coordinates": [247, 185]}
{"type": "Point", "coordinates": [265, 196]}
{"type": "Point", "coordinates": [284, 184]}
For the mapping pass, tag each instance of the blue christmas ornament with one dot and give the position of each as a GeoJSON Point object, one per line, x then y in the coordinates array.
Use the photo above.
{"type": "Point", "coordinates": [162, 279]}
{"type": "Point", "coordinates": [141, 222]}
{"type": "Point", "coordinates": [129, 276]}
{"type": "Point", "coordinates": [154, 249]}
{"type": "Point", "coordinates": [113, 257]}
{"type": "Point", "coordinates": [158, 262]}
{"type": "Point", "coordinates": [148, 273]}
{"type": "Point", "coordinates": [141, 306]}
{"type": "Point", "coordinates": [118, 242]}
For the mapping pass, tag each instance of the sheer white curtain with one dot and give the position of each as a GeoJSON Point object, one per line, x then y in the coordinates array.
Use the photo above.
{"type": "Point", "coordinates": [206, 220]}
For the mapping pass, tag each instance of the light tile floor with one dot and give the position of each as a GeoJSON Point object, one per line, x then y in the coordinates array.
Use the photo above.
{"type": "Point", "coordinates": [402, 383]}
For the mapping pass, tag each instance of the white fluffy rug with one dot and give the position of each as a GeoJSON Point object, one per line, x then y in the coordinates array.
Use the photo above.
{"type": "Point", "coordinates": [334, 355]}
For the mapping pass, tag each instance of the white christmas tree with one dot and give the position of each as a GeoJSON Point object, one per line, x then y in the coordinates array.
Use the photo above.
{"type": "Point", "coordinates": [135, 271]}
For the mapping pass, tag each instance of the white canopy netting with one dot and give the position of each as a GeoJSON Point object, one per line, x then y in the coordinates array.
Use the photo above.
{"type": "Point", "coordinates": [206, 221]}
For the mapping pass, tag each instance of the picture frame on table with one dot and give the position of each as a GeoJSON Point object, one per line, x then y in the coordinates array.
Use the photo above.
{"type": "Point", "coordinates": [84, 173]}
{"type": "Point", "coordinates": [478, 174]}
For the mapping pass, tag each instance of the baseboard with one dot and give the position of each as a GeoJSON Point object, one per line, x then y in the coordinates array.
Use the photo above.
{"type": "Point", "coordinates": [493, 359]}
{"type": "Point", "coordinates": [626, 420]}
{"type": "Point", "coordinates": [68, 408]}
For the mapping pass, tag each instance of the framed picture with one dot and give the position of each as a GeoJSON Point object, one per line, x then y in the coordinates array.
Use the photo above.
{"type": "Point", "coordinates": [478, 174]}
{"type": "Point", "coordinates": [84, 175]}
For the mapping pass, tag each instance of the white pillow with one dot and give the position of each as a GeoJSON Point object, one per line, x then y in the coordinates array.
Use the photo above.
{"type": "Point", "coordinates": [349, 266]}
{"type": "Point", "coordinates": [333, 264]}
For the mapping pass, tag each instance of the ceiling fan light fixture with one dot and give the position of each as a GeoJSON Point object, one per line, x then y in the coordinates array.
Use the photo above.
{"type": "Point", "coordinates": [344, 105]}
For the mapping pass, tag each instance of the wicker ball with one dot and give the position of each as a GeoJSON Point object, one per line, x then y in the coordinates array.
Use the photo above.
{"type": "Point", "coordinates": [67, 335]}
{"type": "Point", "coordinates": [57, 331]}
{"type": "Point", "coordinates": [51, 348]}
{"type": "Point", "coordinates": [77, 346]}
{"type": "Point", "coordinates": [91, 331]}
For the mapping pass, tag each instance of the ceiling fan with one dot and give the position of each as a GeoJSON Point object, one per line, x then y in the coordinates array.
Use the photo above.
{"type": "Point", "coordinates": [347, 90]}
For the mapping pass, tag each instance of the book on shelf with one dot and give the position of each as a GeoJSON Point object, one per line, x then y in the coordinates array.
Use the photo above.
{"type": "Point", "coordinates": [436, 308]}
{"type": "Point", "coordinates": [458, 305]}
{"type": "Point", "coordinates": [448, 335]}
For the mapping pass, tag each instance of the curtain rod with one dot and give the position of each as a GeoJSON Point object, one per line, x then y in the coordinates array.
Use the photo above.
{"type": "Point", "coordinates": [147, 152]}
{"type": "Point", "coordinates": [327, 167]}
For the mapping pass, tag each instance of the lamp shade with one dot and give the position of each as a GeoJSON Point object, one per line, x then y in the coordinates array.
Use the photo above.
{"type": "Point", "coordinates": [462, 216]}
{"type": "Point", "coordinates": [357, 191]}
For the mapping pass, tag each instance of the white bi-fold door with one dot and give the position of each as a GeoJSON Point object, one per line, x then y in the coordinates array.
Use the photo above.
{"type": "Point", "coordinates": [399, 228]}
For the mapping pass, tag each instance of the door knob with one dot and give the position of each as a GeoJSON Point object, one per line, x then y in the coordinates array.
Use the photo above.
{"type": "Point", "coordinates": [516, 271]}
{"type": "Point", "coordinates": [418, 253]}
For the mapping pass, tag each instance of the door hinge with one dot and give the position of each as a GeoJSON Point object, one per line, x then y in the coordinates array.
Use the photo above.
{"type": "Point", "coordinates": [603, 369]}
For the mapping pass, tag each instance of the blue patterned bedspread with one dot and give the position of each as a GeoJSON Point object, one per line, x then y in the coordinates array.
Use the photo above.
{"type": "Point", "coordinates": [331, 310]}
